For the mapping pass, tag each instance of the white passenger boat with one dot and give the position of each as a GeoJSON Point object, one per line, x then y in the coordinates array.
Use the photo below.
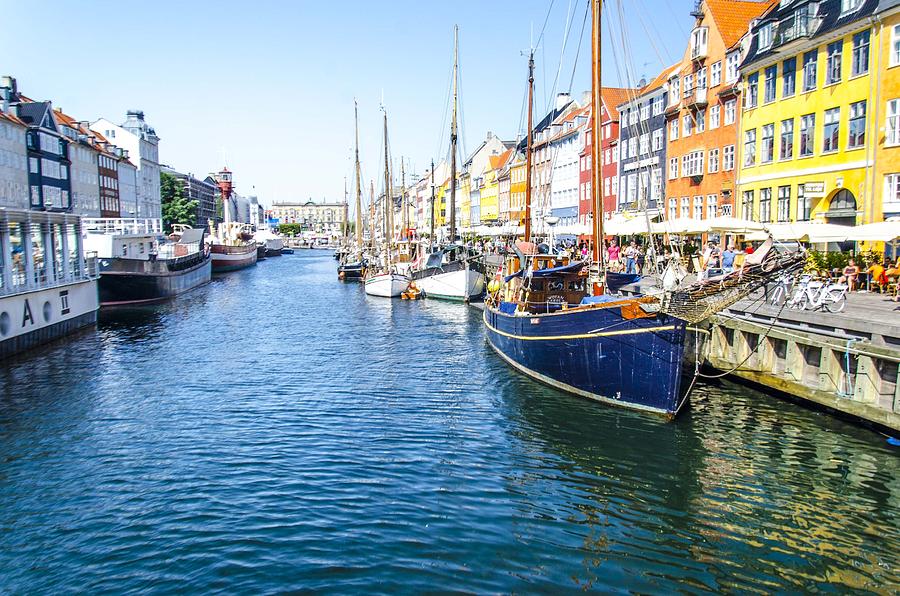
{"type": "Point", "coordinates": [387, 285]}
{"type": "Point", "coordinates": [47, 287]}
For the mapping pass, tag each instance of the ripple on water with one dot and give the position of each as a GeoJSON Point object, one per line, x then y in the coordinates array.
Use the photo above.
{"type": "Point", "coordinates": [277, 430]}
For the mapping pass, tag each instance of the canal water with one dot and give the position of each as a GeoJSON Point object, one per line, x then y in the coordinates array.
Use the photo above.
{"type": "Point", "coordinates": [277, 430]}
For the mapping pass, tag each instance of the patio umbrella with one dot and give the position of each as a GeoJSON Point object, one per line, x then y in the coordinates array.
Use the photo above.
{"type": "Point", "coordinates": [882, 231]}
{"type": "Point", "coordinates": [734, 225]}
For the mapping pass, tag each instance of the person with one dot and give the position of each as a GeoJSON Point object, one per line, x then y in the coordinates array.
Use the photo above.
{"type": "Point", "coordinates": [748, 249]}
{"type": "Point", "coordinates": [850, 273]}
{"type": "Point", "coordinates": [893, 271]}
{"type": "Point", "coordinates": [713, 258]}
{"type": "Point", "coordinates": [612, 254]}
{"type": "Point", "coordinates": [641, 259]}
{"type": "Point", "coordinates": [728, 257]}
{"type": "Point", "coordinates": [630, 256]}
{"type": "Point", "coordinates": [876, 273]}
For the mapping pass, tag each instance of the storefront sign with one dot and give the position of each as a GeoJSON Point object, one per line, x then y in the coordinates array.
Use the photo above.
{"type": "Point", "coordinates": [814, 189]}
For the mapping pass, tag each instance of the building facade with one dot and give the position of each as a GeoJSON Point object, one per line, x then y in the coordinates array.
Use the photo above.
{"type": "Point", "coordinates": [703, 111]}
{"type": "Point", "coordinates": [886, 112]}
{"type": "Point", "coordinates": [807, 131]}
{"type": "Point", "coordinates": [205, 192]}
{"type": "Point", "coordinates": [325, 218]}
{"type": "Point", "coordinates": [14, 187]}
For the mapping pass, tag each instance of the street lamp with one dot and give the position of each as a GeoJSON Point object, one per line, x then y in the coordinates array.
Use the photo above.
{"type": "Point", "coordinates": [551, 220]}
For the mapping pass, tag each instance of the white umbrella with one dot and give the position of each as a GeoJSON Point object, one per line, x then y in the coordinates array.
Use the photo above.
{"type": "Point", "coordinates": [626, 227]}
{"type": "Point", "coordinates": [734, 225]}
{"type": "Point", "coordinates": [683, 225]}
{"type": "Point", "coordinates": [882, 231]}
{"type": "Point", "coordinates": [816, 232]}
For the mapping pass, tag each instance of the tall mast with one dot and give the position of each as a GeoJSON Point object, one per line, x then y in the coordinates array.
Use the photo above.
{"type": "Point", "coordinates": [528, 148]}
{"type": "Point", "coordinates": [431, 235]}
{"type": "Point", "coordinates": [453, 135]}
{"type": "Point", "coordinates": [359, 230]}
{"type": "Point", "coordinates": [372, 213]}
{"type": "Point", "coordinates": [596, 107]}
{"type": "Point", "coordinates": [388, 201]}
{"type": "Point", "coordinates": [346, 202]}
{"type": "Point", "coordinates": [404, 218]}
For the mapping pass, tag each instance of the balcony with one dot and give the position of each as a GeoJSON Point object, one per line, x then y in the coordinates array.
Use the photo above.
{"type": "Point", "coordinates": [699, 52]}
{"type": "Point", "coordinates": [696, 99]}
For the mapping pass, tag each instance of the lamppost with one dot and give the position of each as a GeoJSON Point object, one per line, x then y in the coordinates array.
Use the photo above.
{"type": "Point", "coordinates": [551, 220]}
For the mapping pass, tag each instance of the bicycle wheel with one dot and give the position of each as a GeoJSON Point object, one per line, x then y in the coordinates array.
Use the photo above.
{"type": "Point", "coordinates": [779, 295]}
{"type": "Point", "coordinates": [836, 304]}
{"type": "Point", "coordinates": [802, 303]}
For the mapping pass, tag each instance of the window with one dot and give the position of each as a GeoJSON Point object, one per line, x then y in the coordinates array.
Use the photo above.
{"type": "Point", "coordinates": [714, 116]}
{"type": "Point", "coordinates": [750, 147]}
{"type": "Point", "coordinates": [850, 5]}
{"type": "Point", "coordinates": [895, 46]}
{"type": "Point", "coordinates": [645, 144]}
{"type": "Point", "coordinates": [713, 161]}
{"type": "Point", "coordinates": [632, 147]}
{"type": "Point", "coordinates": [892, 125]}
{"type": "Point", "coordinates": [645, 111]}
{"type": "Point", "coordinates": [658, 107]}
{"type": "Point", "coordinates": [804, 206]}
{"type": "Point", "coordinates": [747, 205]}
{"type": "Point", "coordinates": [715, 74]}
{"type": "Point", "coordinates": [787, 139]}
{"type": "Point", "coordinates": [788, 77]}
{"type": "Point", "coordinates": [673, 208]}
{"type": "Point", "coordinates": [674, 90]}
{"type": "Point", "coordinates": [732, 62]}
{"type": "Point", "coordinates": [809, 70]}
{"type": "Point", "coordinates": [655, 185]}
{"type": "Point", "coordinates": [751, 98]}
{"type": "Point", "coordinates": [860, 63]}
{"type": "Point", "coordinates": [857, 125]}
{"type": "Point", "coordinates": [658, 139]}
{"type": "Point", "coordinates": [769, 84]}
{"type": "Point", "coordinates": [701, 78]}
{"type": "Point", "coordinates": [807, 134]}
{"type": "Point", "coordinates": [833, 63]}
{"type": "Point", "coordinates": [692, 164]}
{"type": "Point", "coordinates": [698, 42]}
{"type": "Point", "coordinates": [765, 204]}
{"type": "Point", "coordinates": [784, 203]}
{"type": "Point", "coordinates": [832, 130]}
{"type": "Point", "coordinates": [687, 125]}
{"type": "Point", "coordinates": [33, 165]}
{"type": "Point", "coordinates": [711, 205]}
{"type": "Point", "coordinates": [615, 185]}
{"type": "Point", "coordinates": [767, 149]}
{"type": "Point", "coordinates": [698, 207]}
{"type": "Point", "coordinates": [765, 36]}
{"type": "Point", "coordinates": [633, 117]}
{"type": "Point", "coordinates": [891, 201]}
{"type": "Point", "coordinates": [701, 120]}
{"type": "Point", "coordinates": [673, 130]}
{"type": "Point", "coordinates": [685, 207]}
{"type": "Point", "coordinates": [730, 111]}
{"type": "Point", "coordinates": [673, 168]}
{"type": "Point", "coordinates": [728, 158]}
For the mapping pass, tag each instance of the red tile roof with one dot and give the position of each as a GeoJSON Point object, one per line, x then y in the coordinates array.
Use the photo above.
{"type": "Point", "coordinates": [615, 96]}
{"type": "Point", "coordinates": [732, 17]}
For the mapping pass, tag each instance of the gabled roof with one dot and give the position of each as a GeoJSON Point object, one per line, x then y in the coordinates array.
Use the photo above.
{"type": "Point", "coordinates": [35, 113]}
{"type": "Point", "coordinates": [498, 161]}
{"type": "Point", "coordinates": [612, 97]}
{"type": "Point", "coordinates": [732, 17]}
{"type": "Point", "coordinates": [12, 118]}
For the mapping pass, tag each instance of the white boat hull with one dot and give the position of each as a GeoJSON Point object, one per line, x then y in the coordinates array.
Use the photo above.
{"type": "Point", "coordinates": [455, 285]}
{"type": "Point", "coordinates": [387, 285]}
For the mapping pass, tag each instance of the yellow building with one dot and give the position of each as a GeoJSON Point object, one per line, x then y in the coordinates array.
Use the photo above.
{"type": "Point", "coordinates": [517, 189]}
{"type": "Point", "coordinates": [463, 200]}
{"type": "Point", "coordinates": [886, 113]}
{"type": "Point", "coordinates": [805, 147]}
{"type": "Point", "coordinates": [490, 192]}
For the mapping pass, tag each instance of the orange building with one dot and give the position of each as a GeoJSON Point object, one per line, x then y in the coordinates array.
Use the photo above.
{"type": "Point", "coordinates": [703, 111]}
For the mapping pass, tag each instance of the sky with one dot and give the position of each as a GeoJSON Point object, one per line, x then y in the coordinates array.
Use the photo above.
{"type": "Point", "coordinates": [268, 87]}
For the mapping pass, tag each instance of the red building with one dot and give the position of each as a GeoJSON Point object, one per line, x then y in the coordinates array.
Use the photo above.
{"type": "Point", "coordinates": [609, 154]}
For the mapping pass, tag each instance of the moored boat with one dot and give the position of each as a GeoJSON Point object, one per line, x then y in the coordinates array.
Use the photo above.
{"type": "Point", "coordinates": [231, 243]}
{"type": "Point", "coordinates": [48, 289]}
{"type": "Point", "coordinates": [136, 268]}
{"type": "Point", "coordinates": [386, 285]}
{"type": "Point", "coordinates": [452, 273]}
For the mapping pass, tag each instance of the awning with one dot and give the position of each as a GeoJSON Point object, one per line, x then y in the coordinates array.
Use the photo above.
{"type": "Point", "coordinates": [882, 231]}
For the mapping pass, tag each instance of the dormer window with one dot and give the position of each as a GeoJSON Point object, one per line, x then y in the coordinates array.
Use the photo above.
{"type": "Point", "coordinates": [674, 90]}
{"type": "Point", "coordinates": [765, 36]}
{"type": "Point", "coordinates": [699, 37]}
{"type": "Point", "coordinates": [850, 5]}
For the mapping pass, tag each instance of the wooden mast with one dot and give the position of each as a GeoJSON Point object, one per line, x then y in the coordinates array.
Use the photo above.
{"type": "Point", "coordinates": [453, 136]}
{"type": "Point", "coordinates": [599, 256]}
{"type": "Point", "coordinates": [372, 213]}
{"type": "Point", "coordinates": [346, 202]}
{"type": "Point", "coordinates": [528, 148]}
{"type": "Point", "coordinates": [388, 199]}
{"type": "Point", "coordinates": [359, 229]}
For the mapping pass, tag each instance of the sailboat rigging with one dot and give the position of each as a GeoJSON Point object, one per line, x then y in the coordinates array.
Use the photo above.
{"type": "Point", "coordinates": [353, 264]}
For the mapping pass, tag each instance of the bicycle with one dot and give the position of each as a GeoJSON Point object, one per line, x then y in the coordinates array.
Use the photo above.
{"type": "Point", "coordinates": [813, 295]}
{"type": "Point", "coordinates": [782, 290]}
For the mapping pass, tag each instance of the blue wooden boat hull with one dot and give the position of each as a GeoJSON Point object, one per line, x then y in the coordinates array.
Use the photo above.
{"type": "Point", "coordinates": [597, 353]}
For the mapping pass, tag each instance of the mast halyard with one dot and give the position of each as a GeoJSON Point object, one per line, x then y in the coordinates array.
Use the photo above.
{"type": "Point", "coordinates": [359, 228]}
{"type": "Point", "coordinates": [344, 239]}
{"type": "Point", "coordinates": [528, 164]}
{"type": "Point", "coordinates": [404, 216]}
{"type": "Point", "coordinates": [388, 200]}
{"type": "Point", "coordinates": [372, 214]}
{"type": "Point", "coordinates": [453, 136]}
{"type": "Point", "coordinates": [431, 235]}
{"type": "Point", "coordinates": [596, 181]}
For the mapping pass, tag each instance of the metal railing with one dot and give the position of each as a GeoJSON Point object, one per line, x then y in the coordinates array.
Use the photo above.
{"type": "Point", "coordinates": [41, 278]}
{"type": "Point", "coordinates": [122, 226]}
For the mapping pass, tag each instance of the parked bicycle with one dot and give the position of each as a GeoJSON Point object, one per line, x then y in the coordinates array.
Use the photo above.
{"type": "Point", "coordinates": [782, 289]}
{"type": "Point", "coordinates": [813, 295]}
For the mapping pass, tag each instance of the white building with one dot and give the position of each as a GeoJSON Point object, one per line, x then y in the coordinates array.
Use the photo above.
{"type": "Point", "coordinates": [13, 160]}
{"type": "Point", "coordinates": [128, 198]}
{"type": "Point", "coordinates": [566, 142]}
{"type": "Point", "coordinates": [142, 144]}
{"type": "Point", "coordinates": [83, 175]}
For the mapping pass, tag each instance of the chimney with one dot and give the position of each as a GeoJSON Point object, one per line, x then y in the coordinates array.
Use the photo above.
{"type": "Point", "coordinates": [562, 99]}
{"type": "Point", "coordinates": [8, 92]}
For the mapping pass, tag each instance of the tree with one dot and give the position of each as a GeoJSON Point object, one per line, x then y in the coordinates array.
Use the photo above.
{"type": "Point", "coordinates": [176, 207]}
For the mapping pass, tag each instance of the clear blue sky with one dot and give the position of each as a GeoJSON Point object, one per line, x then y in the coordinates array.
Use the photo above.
{"type": "Point", "coordinates": [271, 84]}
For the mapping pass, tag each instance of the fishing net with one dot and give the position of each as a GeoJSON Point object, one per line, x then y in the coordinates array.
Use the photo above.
{"type": "Point", "coordinates": [701, 299]}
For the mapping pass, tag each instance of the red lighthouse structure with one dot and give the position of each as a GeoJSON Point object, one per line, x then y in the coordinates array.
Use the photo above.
{"type": "Point", "coordinates": [223, 180]}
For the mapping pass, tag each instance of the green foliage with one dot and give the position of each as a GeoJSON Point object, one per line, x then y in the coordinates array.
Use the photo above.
{"type": "Point", "coordinates": [290, 229]}
{"type": "Point", "coordinates": [176, 207]}
{"type": "Point", "coordinates": [870, 257]}
{"type": "Point", "coordinates": [826, 261]}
